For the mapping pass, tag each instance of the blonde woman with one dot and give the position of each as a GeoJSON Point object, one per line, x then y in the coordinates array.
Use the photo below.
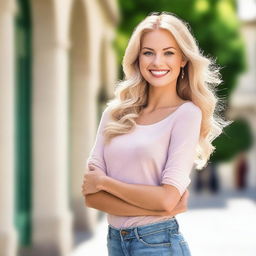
{"type": "Point", "coordinates": [159, 126]}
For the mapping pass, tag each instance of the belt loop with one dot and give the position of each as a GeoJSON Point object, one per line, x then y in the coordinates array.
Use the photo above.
{"type": "Point", "coordinates": [109, 232]}
{"type": "Point", "coordinates": [178, 226]}
{"type": "Point", "coordinates": [120, 234]}
{"type": "Point", "coordinates": [136, 233]}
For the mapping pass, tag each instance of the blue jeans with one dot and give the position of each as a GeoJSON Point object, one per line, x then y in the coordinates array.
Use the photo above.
{"type": "Point", "coordinates": [156, 239]}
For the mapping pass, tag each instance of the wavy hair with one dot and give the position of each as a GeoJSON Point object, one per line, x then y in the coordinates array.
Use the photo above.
{"type": "Point", "coordinates": [201, 77]}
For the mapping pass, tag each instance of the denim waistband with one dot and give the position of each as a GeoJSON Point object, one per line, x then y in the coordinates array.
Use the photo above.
{"type": "Point", "coordinates": [132, 232]}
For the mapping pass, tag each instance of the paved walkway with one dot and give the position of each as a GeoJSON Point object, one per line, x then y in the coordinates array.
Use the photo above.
{"type": "Point", "coordinates": [222, 224]}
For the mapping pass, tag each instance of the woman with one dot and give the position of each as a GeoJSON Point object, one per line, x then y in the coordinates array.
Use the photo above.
{"type": "Point", "coordinates": [157, 128]}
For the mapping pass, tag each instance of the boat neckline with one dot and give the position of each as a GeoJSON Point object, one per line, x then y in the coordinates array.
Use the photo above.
{"type": "Point", "coordinates": [167, 117]}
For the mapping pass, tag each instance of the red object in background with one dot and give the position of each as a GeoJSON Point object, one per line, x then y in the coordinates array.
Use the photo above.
{"type": "Point", "coordinates": [241, 172]}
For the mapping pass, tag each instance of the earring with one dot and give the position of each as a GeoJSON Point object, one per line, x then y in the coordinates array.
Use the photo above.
{"type": "Point", "coordinates": [182, 73]}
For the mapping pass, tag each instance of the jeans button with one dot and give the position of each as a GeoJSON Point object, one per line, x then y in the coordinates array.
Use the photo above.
{"type": "Point", "coordinates": [123, 232]}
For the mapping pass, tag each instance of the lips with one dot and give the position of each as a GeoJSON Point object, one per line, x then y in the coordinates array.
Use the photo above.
{"type": "Point", "coordinates": [159, 73]}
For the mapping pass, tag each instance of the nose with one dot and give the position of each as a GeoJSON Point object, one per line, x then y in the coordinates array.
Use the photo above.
{"type": "Point", "coordinates": [157, 61]}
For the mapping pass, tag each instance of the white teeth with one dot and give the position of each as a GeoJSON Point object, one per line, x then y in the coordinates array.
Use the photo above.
{"type": "Point", "coordinates": [159, 72]}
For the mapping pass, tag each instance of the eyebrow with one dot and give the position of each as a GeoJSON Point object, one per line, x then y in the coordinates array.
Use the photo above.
{"type": "Point", "coordinates": [163, 48]}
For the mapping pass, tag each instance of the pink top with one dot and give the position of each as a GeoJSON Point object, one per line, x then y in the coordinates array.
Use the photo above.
{"type": "Point", "coordinates": [155, 154]}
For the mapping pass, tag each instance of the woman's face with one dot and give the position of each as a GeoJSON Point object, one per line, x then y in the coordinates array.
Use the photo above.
{"type": "Point", "coordinates": [160, 58]}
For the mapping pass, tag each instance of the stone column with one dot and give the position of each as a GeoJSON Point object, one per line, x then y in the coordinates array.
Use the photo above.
{"type": "Point", "coordinates": [83, 124]}
{"type": "Point", "coordinates": [52, 219]}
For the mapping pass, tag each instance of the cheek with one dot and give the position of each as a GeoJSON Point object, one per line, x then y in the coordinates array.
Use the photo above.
{"type": "Point", "coordinates": [143, 65]}
{"type": "Point", "coordinates": [144, 62]}
{"type": "Point", "coordinates": [175, 63]}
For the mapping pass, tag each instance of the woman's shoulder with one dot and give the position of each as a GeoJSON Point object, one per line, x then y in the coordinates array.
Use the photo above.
{"type": "Point", "coordinates": [190, 108]}
{"type": "Point", "coordinates": [107, 112]}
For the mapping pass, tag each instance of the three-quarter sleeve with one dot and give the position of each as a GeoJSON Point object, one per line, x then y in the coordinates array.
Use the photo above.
{"type": "Point", "coordinates": [182, 148]}
{"type": "Point", "coordinates": [96, 156]}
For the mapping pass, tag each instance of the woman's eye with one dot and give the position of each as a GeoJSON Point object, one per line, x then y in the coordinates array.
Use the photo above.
{"type": "Point", "coordinates": [168, 53]}
{"type": "Point", "coordinates": [148, 53]}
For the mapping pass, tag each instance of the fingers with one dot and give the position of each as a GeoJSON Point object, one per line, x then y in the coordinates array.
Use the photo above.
{"type": "Point", "coordinates": [83, 189]}
{"type": "Point", "coordinates": [184, 199]}
{"type": "Point", "coordinates": [185, 194]}
{"type": "Point", "coordinates": [84, 186]}
{"type": "Point", "coordinates": [91, 167]}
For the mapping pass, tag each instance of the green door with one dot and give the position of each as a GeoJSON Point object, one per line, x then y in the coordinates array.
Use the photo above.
{"type": "Point", "coordinates": [23, 122]}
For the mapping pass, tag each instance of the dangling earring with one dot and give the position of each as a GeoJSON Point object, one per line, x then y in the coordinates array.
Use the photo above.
{"type": "Point", "coordinates": [182, 73]}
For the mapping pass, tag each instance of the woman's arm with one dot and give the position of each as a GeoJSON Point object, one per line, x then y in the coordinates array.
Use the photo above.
{"type": "Point", "coordinates": [111, 204]}
{"type": "Point", "coordinates": [145, 196]}
{"type": "Point", "coordinates": [108, 203]}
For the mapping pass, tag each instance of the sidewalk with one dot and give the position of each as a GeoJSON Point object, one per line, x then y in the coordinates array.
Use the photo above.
{"type": "Point", "coordinates": [223, 225]}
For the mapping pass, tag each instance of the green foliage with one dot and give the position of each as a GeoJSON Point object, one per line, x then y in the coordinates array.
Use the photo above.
{"type": "Point", "coordinates": [237, 137]}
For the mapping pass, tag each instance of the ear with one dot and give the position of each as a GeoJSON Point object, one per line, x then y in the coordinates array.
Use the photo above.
{"type": "Point", "coordinates": [184, 61]}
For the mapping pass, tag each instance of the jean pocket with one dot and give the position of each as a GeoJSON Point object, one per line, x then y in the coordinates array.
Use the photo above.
{"type": "Point", "coordinates": [156, 238]}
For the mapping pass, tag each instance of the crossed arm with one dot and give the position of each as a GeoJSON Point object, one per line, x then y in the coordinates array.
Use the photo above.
{"type": "Point", "coordinates": [150, 197]}
{"type": "Point", "coordinates": [119, 198]}
{"type": "Point", "coordinates": [111, 204]}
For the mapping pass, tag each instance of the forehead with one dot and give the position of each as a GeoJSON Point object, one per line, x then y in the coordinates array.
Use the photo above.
{"type": "Point", "coordinates": [158, 38]}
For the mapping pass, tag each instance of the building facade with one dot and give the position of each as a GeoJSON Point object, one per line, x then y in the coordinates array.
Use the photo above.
{"type": "Point", "coordinates": [57, 64]}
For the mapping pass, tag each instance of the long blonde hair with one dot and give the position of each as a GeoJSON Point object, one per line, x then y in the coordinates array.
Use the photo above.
{"type": "Point", "coordinates": [201, 77]}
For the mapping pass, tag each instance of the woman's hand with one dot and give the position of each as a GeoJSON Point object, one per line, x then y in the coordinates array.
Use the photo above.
{"type": "Point", "coordinates": [92, 180]}
{"type": "Point", "coordinates": [182, 205]}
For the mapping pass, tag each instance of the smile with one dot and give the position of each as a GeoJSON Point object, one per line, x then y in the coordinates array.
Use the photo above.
{"type": "Point", "coordinates": [159, 73]}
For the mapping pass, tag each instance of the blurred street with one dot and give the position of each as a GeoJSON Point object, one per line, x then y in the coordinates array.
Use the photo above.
{"type": "Point", "coordinates": [222, 224]}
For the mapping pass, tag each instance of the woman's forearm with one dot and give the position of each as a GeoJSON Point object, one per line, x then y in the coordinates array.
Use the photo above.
{"type": "Point", "coordinates": [111, 204]}
{"type": "Point", "coordinates": [145, 196]}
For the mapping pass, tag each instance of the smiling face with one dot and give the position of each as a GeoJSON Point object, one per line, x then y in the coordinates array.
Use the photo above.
{"type": "Point", "coordinates": [160, 58]}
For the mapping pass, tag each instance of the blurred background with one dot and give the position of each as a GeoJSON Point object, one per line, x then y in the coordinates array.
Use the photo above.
{"type": "Point", "coordinates": [59, 61]}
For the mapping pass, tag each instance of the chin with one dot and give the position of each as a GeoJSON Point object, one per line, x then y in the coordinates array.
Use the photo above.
{"type": "Point", "coordinates": [159, 84]}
